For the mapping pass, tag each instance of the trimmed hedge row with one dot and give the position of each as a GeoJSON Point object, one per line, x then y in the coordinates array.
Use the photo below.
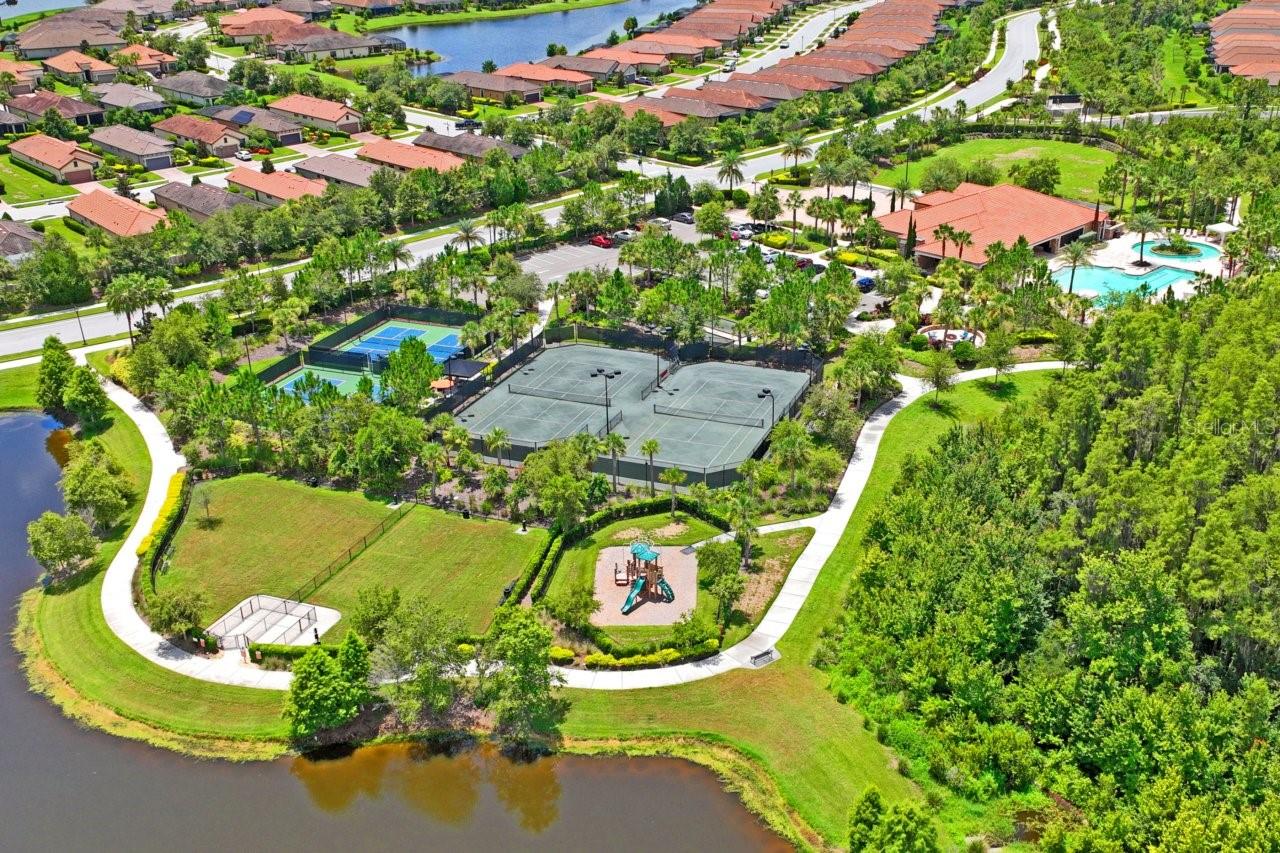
{"type": "Point", "coordinates": [172, 511]}
{"type": "Point", "coordinates": [662, 657]}
{"type": "Point", "coordinates": [531, 571]}
{"type": "Point", "coordinates": [279, 650]}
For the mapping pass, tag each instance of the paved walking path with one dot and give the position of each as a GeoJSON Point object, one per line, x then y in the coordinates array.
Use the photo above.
{"type": "Point", "coordinates": [227, 668]}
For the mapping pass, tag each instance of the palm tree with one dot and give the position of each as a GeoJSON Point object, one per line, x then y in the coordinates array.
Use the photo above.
{"type": "Point", "coordinates": [961, 240]}
{"type": "Point", "coordinates": [796, 147]}
{"type": "Point", "coordinates": [944, 233]}
{"type": "Point", "coordinates": [743, 506]}
{"type": "Point", "coordinates": [901, 188]}
{"type": "Point", "coordinates": [792, 446]}
{"type": "Point", "coordinates": [1078, 254]}
{"type": "Point", "coordinates": [731, 168]}
{"type": "Point", "coordinates": [433, 456]}
{"type": "Point", "coordinates": [472, 336]}
{"type": "Point", "coordinates": [857, 169]}
{"type": "Point", "coordinates": [468, 233]}
{"type": "Point", "coordinates": [651, 448]}
{"type": "Point", "coordinates": [125, 295]}
{"type": "Point", "coordinates": [1144, 223]}
{"type": "Point", "coordinates": [613, 445]}
{"type": "Point", "coordinates": [827, 174]}
{"type": "Point", "coordinates": [795, 201]}
{"type": "Point", "coordinates": [673, 477]}
{"type": "Point", "coordinates": [497, 441]}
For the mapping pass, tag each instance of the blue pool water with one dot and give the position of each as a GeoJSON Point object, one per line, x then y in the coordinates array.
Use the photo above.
{"type": "Point", "coordinates": [1206, 253]}
{"type": "Point", "coordinates": [1109, 280]}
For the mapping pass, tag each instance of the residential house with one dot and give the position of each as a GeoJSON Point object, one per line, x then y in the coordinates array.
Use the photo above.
{"type": "Point", "coordinates": [54, 35]}
{"type": "Point", "coordinates": [26, 76]}
{"type": "Point", "coordinates": [33, 107]}
{"type": "Point", "coordinates": [75, 68]}
{"type": "Point", "coordinates": [337, 169]}
{"type": "Point", "coordinates": [18, 240]}
{"type": "Point", "coordinates": [192, 87]}
{"type": "Point", "coordinates": [319, 113]}
{"type": "Point", "coordinates": [649, 105]}
{"type": "Point", "coordinates": [1002, 213]}
{"type": "Point", "coordinates": [274, 189]}
{"type": "Point", "coordinates": [495, 87]}
{"type": "Point", "coordinates": [369, 7]}
{"type": "Point", "coordinates": [406, 158]}
{"type": "Point", "coordinates": [199, 201]}
{"type": "Point", "coordinates": [281, 130]}
{"type": "Point", "coordinates": [546, 75]}
{"type": "Point", "coordinates": [599, 69]}
{"type": "Point", "coordinates": [210, 137]}
{"type": "Point", "coordinates": [65, 162]}
{"type": "Point", "coordinates": [135, 146]}
{"type": "Point", "coordinates": [307, 10]}
{"type": "Point", "coordinates": [12, 122]}
{"type": "Point", "coordinates": [157, 63]}
{"type": "Point", "coordinates": [116, 215]}
{"type": "Point", "coordinates": [690, 107]}
{"type": "Point", "coordinates": [243, 27]}
{"type": "Point", "coordinates": [469, 145]}
{"type": "Point", "coordinates": [643, 63]}
{"type": "Point", "coordinates": [324, 43]}
{"type": "Point", "coordinates": [126, 95]}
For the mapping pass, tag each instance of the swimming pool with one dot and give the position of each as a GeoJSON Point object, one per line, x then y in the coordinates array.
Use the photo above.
{"type": "Point", "coordinates": [1206, 251]}
{"type": "Point", "coordinates": [1101, 281]}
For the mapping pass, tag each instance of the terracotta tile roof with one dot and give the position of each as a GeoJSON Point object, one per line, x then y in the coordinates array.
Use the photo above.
{"type": "Point", "coordinates": [192, 127]}
{"type": "Point", "coordinates": [114, 214]}
{"type": "Point", "coordinates": [40, 102]}
{"type": "Point", "coordinates": [249, 21]}
{"type": "Point", "coordinates": [144, 55]}
{"type": "Point", "coordinates": [402, 156]}
{"type": "Point", "coordinates": [306, 105]}
{"type": "Point", "coordinates": [689, 107]}
{"type": "Point", "coordinates": [492, 82]}
{"type": "Point", "coordinates": [727, 97]}
{"type": "Point", "coordinates": [630, 108]}
{"type": "Point", "coordinates": [281, 185]}
{"type": "Point", "coordinates": [50, 151]}
{"type": "Point", "coordinates": [1002, 213]}
{"type": "Point", "coordinates": [543, 73]}
{"type": "Point", "coordinates": [798, 81]}
{"type": "Point", "coordinates": [626, 57]}
{"type": "Point", "coordinates": [17, 69]}
{"type": "Point", "coordinates": [73, 62]}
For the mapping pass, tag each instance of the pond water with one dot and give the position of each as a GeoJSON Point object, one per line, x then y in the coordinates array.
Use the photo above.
{"type": "Point", "coordinates": [65, 788]}
{"type": "Point", "coordinates": [26, 6]}
{"type": "Point", "coordinates": [466, 46]}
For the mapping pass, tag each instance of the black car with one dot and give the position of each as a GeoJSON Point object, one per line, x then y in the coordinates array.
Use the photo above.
{"type": "Point", "coordinates": [467, 124]}
{"type": "Point", "coordinates": [644, 81]}
{"type": "Point", "coordinates": [683, 216]}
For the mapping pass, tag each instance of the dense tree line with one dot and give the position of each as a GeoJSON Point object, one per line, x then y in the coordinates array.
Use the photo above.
{"type": "Point", "coordinates": [1079, 597]}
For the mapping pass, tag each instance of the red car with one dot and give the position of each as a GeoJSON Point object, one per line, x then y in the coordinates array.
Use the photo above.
{"type": "Point", "coordinates": [601, 240]}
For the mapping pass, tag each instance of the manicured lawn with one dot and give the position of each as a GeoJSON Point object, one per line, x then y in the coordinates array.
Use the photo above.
{"type": "Point", "coordinates": [76, 659]}
{"type": "Point", "coordinates": [783, 716]}
{"type": "Point", "coordinates": [341, 82]}
{"type": "Point", "coordinates": [23, 185]}
{"type": "Point", "coordinates": [75, 238]}
{"type": "Point", "coordinates": [280, 152]}
{"type": "Point", "coordinates": [461, 564]}
{"type": "Point", "coordinates": [18, 387]}
{"type": "Point", "coordinates": [1176, 50]}
{"type": "Point", "coordinates": [233, 50]}
{"type": "Point", "coordinates": [265, 536]}
{"type": "Point", "coordinates": [1082, 166]}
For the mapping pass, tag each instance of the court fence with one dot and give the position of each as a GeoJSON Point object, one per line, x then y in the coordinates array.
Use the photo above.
{"type": "Point", "coordinates": [344, 559]}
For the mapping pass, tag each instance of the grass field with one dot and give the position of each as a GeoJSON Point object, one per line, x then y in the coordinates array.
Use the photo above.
{"type": "Point", "coordinates": [816, 749]}
{"type": "Point", "coordinates": [72, 656]}
{"type": "Point", "coordinates": [461, 564]}
{"type": "Point", "coordinates": [270, 536]}
{"type": "Point", "coordinates": [18, 387]}
{"type": "Point", "coordinates": [23, 185]}
{"type": "Point", "coordinates": [1175, 52]}
{"type": "Point", "coordinates": [1082, 166]}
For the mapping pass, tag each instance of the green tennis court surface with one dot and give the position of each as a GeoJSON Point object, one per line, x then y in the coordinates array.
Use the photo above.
{"type": "Point", "coordinates": [345, 381]}
{"type": "Point", "coordinates": [703, 415]}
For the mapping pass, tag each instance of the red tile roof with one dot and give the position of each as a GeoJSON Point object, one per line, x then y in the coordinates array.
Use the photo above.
{"type": "Point", "coordinates": [282, 185]}
{"type": "Point", "coordinates": [191, 127]}
{"type": "Point", "coordinates": [115, 214]}
{"type": "Point", "coordinates": [543, 73]}
{"type": "Point", "coordinates": [1002, 213]}
{"type": "Point", "coordinates": [73, 62]}
{"type": "Point", "coordinates": [306, 105]}
{"type": "Point", "coordinates": [144, 55]}
{"type": "Point", "coordinates": [402, 156]}
{"type": "Point", "coordinates": [50, 151]}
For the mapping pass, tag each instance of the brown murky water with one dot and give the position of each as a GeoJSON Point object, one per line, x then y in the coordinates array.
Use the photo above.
{"type": "Point", "coordinates": [63, 788]}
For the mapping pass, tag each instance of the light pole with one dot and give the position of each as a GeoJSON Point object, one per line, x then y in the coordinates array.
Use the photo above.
{"type": "Point", "coordinates": [773, 405]}
{"type": "Point", "coordinates": [606, 375]}
{"type": "Point", "coordinates": [83, 342]}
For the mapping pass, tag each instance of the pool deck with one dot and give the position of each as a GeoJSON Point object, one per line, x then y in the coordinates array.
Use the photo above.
{"type": "Point", "coordinates": [1118, 253]}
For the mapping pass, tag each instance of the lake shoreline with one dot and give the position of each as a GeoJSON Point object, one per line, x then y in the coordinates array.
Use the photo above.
{"type": "Point", "coordinates": [424, 19]}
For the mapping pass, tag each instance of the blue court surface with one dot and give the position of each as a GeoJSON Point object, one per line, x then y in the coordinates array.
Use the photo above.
{"type": "Point", "coordinates": [442, 343]}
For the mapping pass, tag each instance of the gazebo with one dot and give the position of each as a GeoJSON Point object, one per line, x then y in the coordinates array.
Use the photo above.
{"type": "Point", "coordinates": [1221, 230]}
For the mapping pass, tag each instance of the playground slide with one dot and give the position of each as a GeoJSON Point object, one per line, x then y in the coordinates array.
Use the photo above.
{"type": "Point", "coordinates": [630, 603]}
{"type": "Point", "coordinates": [668, 594]}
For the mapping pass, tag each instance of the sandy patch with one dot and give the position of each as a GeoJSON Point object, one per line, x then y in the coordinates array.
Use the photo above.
{"type": "Point", "coordinates": [680, 570]}
{"type": "Point", "coordinates": [762, 585]}
{"type": "Point", "coordinates": [630, 534]}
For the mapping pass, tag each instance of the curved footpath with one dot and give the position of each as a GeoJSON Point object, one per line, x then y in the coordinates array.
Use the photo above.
{"type": "Point", "coordinates": [128, 625]}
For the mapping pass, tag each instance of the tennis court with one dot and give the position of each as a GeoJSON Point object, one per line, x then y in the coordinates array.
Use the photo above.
{"type": "Point", "coordinates": [703, 415]}
{"type": "Point", "coordinates": [379, 342]}
{"type": "Point", "coordinates": [345, 381]}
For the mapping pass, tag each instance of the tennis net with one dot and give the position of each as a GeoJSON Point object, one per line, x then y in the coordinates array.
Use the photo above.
{"type": "Point", "coordinates": [610, 426]}
{"type": "Point", "coordinates": [568, 396]}
{"type": "Point", "coordinates": [718, 417]}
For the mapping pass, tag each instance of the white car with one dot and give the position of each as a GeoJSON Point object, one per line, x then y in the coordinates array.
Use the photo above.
{"type": "Point", "coordinates": [784, 43]}
{"type": "Point", "coordinates": [769, 255]}
{"type": "Point", "coordinates": [741, 232]}
{"type": "Point", "coordinates": [243, 155]}
{"type": "Point", "coordinates": [660, 221]}
{"type": "Point", "coordinates": [625, 235]}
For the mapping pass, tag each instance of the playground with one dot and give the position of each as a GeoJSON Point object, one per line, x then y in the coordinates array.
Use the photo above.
{"type": "Point", "coordinates": [645, 584]}
{"type": "Point", "coordinates": [704, 415]}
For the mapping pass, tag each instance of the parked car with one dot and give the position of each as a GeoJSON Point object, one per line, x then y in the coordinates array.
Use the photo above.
{"type": "Point", "coordinates": [644, 81]}
{"type": "Point", "coordinates": [683, 216]}
{"type": "Point", "coordinates": [244, 155]}
{"type": "Point", "coordinates": [731, 65]}
{"type": "Point", "coordinates": [660, 221]}
{"type": "Point", "coordinates": [804, 263]}
{"type": "Point", "coordinates": [741, 232]}
{"type": "Point", "coordinates": [625, 235]}
{"type": "Point", "coordinates": [467, 124]}
{"type": "Point", "coordinates": [769, 255]}
{"type": "Point", "coordinates": [601, 240]}
{"type": "Point", "coordinates": [866, 284]}
{"type": "Point", "coordinates": [784, 43]}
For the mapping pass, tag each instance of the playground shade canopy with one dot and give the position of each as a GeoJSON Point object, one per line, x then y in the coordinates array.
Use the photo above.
{"type": "Point", "coordinates": [644, 552]}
